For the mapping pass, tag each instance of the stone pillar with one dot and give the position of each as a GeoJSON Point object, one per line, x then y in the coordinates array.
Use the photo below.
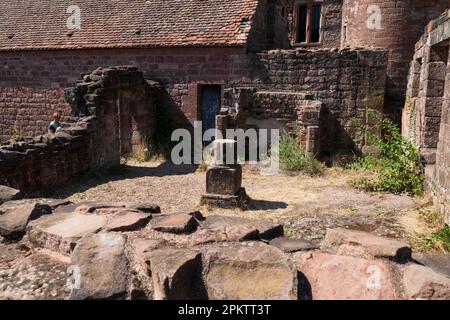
{"type": "Point", "coordinates": [224, 178]}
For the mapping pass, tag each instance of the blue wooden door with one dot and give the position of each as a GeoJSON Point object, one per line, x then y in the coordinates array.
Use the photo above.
{"type": "Point", "coordinates": [211, 103]}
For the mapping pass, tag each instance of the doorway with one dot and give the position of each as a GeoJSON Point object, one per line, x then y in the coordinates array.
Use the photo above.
{"type": "Point", "coordinates": [211, 101]}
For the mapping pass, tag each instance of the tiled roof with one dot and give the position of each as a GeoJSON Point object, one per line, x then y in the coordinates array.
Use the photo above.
{"type": "Point", "coordinates": [42, 24]}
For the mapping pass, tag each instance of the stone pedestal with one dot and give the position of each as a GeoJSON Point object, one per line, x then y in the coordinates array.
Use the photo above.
{"type": "Point", "coordinates": [224, 181]}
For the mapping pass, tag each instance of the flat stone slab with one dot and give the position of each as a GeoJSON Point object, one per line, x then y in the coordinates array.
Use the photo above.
{"type": "Point", "coordinates": [335, 277]}
{"type": "Point", "coordinates": [248, 271]}
{"type": "Point", "coordinates": [293, 245]}
{"type": "Point", "coordinates": [54, 204]}
{"type": "Point", "coordinates": [8, 194]}
{"type": "Point", "coordinates": [14, 222]}
{"type": "Point", "coordinates": [100, 268]}
{"type": "Point", "coordinates": [59, 232]}
{"type": "Point", "coordinates": [239, 229]}
{"type": "Point", "coordinates": [125, 221]}
{"type": "Point", "coordinates": [358, 243]}
{"type": "Point", "coordinates": [173, 272]}
{"type": "Point", "coordinates": [175, 223]}
{"type": "Point", "coordinates": [422, 283]}
{"type": "Point", "coordinates": [438, 262]}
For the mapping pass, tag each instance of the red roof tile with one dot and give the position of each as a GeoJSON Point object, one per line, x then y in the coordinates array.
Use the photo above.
{"type": "Point", "coordinates": [42, 24]}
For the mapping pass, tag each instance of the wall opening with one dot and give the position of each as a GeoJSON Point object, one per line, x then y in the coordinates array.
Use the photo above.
{"type": "Point", "coordinates": [211, 102]}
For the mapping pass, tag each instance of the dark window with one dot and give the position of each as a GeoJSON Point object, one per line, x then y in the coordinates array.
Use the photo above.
{"type": "Point", "coordinates": [308, 19]}
{"type": "Point", "coordinates": [315, 24]}
{"type": "Point", "coordinates": [302, 21]}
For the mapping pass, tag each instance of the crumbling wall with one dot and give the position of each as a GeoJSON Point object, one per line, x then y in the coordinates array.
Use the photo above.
{"type": "Point", "coordinates": [33, 82]}
{"type": "Point", "coordinates": [348, 83]}
{"type": "Point", "coordinates": [426, 117]}
{"type": "Point", "coordinates": [90, 140]}
{"type": "Point", "coordinates": [290, 112]}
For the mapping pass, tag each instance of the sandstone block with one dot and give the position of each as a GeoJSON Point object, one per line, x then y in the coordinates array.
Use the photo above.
{"type": "Point", "coordinates": [175, 223]}
{"type": "Point", "coordinates": [173, 272]}
{"type": "Point", "coordinates": [60, 232]}
{"type": "Point", "coordinates": [224, 180]}
{"type": "Point", "coordinates": [124, 221]}
{"type": "Point", "coordinates": [422, 283]}
{"type": "Point", "coordinates": [334, 277]}
{"type": "Point", "coordinates": [358, 243]}
{"type": "Point", "coordinates": [8, 194]}
{"type": "Point", "coordinates": [240, 229]}
{"type": "Point", "coordinates": [14, 222]}
{"type": "Point", "coordinates": [103, 267]}
{"type": "Point", "coordinates": [293, 245]}
{"type": "Point", "coordinates": [248, 271]}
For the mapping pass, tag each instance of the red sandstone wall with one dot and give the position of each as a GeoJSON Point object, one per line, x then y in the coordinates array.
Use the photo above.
{"type": "Point", "coordinates": [32, 83]}
{"type": "Point", "coordinates": [402, 24]}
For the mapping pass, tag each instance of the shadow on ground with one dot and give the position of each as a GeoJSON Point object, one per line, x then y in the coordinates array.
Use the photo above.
{"type": "Point", "coordinates": [94, 179]}
{"type": "Point", "coordinates": [261, 205]}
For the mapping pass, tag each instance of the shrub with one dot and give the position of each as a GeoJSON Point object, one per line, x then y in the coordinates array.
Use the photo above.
{"type": "Point", "coordinates": [440, 239]}
{"type": "Point", "coordinates": [398, 167]}
{"type": "Point", "coordinates": [293, 157]}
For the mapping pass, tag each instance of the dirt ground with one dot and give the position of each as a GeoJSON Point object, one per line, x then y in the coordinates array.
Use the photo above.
{"type": "Point", "coordinates": [307, 206]}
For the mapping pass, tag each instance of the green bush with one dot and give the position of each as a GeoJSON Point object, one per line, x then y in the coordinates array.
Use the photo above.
{"type": "Point", "coordinates": [293, 157]}
{"type": "Point", "coordinates": [398, 167]}
{"type": "Point", "coordinates": [440, 239]}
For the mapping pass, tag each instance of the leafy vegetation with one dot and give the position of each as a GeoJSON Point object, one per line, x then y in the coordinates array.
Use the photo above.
{"type": "Point", "coordinates": [398, 166]}
{"type": "Point", "coordinates": [293, 157]}
{"type": "Point", "coordinates": [439, 239]}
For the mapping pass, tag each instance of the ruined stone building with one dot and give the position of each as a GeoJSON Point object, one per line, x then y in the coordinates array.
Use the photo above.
{"type": "Point", "coordinates": [321, 64]}
{"type": "Point", "coordinates": [426, 116]}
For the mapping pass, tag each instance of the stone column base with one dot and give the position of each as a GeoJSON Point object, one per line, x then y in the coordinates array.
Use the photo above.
{"type": "Point", "coordinates": [240, 200]}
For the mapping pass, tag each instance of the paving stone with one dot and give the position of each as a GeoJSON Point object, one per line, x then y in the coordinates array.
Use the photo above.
{"type": "Point", "coordinates": [238, 229]}
{"type": "Point", "coordinates": [14, 222]}
{"type": "Point", "coordinates": [102, 265]}
{"type": "Point", "coordinates": [124, 221]}
{"type": "Point", "coordinates": [335, 277]}
{"type": "Point", "coordinates": [248, 271]}
{"type": "Point", "coordinates": [175, 223]}
{"type": "Point", "coordinates": [173, 272]}
{"type": "Point", "coordinates": [358, 243]}
{"type": "Point", "coordinates": [59, 232]}
{"type": "Point", "coordinates": [422, 283]}
{"type": "Point", "coordinates": [293, 245]}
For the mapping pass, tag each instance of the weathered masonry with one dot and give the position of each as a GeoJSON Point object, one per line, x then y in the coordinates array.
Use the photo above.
{"type": "Point", "coordinates": [426, 117]}
{"type": "Point", "coordinates": [321, 64]}
{"type": "Point", "coordinates": [116, 112]}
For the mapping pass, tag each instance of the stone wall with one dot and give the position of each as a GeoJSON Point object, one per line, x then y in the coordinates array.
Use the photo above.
{"type": "Point", "coordinates": [32, 83]}
{"type": "Point", "coordinates": [93, 139]}
{"type": "Point", "coordinates": [290, 112]}
{"type": "Point", "coordinates": [426, 118]}
{"type": "Point", "coordinates": [401, 24]}
{"type": "Point", "coordinates": [347, 83]}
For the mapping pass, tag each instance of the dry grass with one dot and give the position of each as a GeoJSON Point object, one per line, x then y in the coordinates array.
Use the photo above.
{"type": "Point", "coordinates": [288, 199]}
